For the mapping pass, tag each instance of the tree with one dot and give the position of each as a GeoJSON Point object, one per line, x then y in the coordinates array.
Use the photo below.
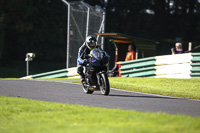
{"type": "Point", "coordinates": [33, 26]}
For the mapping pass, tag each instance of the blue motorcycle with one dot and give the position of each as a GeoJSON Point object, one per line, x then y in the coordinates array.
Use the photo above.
{"type": "Point", "coordinates": [96, 77]}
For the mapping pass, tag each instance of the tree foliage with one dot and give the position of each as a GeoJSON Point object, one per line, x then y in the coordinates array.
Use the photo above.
{"type": "Point", "coordinates": [156, 19]}
{"type": "Point", "coordinates": [37, 26]}
{"type": "Point", "coordinates": [40, 25]}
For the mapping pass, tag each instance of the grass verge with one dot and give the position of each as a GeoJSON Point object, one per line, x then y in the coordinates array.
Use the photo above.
{"type": "Point", "coordinates": [24, 115]}
{"type": "Point", "coordinates": [185, 88]}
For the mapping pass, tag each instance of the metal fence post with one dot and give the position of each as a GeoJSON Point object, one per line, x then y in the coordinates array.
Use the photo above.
{"type": "Point", "coordinates": [136, 54]}
{"type": "Point", "coordinates": [27, 68]}
{"type": "Point", "coordinates": [88, 17]}
{"type": "Point", "coordinates": [190, 46]}
{"type": "Point", "coordinates": [103, 30]}
{"type": "Point", "coordinates": [68, 33]}
{"type": "Point", "coordinates": [102, 27]}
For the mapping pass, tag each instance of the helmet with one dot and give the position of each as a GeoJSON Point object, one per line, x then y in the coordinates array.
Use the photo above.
{"type": "Point", "coordinates": [91, 42]}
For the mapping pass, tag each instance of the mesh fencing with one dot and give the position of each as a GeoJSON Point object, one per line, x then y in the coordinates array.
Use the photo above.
{"type": "Point", "coordinates": [96, 17]}
{"type": "Point", "coordinates": [78, 25]}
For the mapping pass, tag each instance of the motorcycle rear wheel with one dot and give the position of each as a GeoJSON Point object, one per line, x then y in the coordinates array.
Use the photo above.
{"type": "Point", "coordinates": [85, 89]}
{"type": "Point", "coordinates": [105, 86]}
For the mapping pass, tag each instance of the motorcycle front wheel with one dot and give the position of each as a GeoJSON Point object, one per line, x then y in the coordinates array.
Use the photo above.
{"type": "Point", "coordinates": [85, 88]}
{"type": "Point", "coordinates": [105, 86]}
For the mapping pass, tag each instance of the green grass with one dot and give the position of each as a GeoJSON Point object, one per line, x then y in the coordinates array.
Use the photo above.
{"type": "Point", "coordinates": [19, 115]}
{"type": "Point", "coordinates": [185, 88]}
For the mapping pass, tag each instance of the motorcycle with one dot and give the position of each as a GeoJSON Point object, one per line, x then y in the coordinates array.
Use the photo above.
{"type": "Point", "coordinates": [96, 73]}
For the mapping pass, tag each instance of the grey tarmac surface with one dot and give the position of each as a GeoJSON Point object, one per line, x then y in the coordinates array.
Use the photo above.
{"type": "Point", "coordinates": [73, 94]}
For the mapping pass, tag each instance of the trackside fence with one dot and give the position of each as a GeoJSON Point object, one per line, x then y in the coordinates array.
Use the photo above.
{"type": "Point", "coordinates": [168, 66]}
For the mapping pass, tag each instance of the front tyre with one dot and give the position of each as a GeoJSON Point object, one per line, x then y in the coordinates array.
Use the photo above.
{"type": "Point", "coordinates": [105, 86]}
{"type": "Point", "coordinates": [85, 88]}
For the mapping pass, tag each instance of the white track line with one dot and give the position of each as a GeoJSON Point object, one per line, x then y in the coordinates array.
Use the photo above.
{"type": "Point", "coordinates": [142, 93]}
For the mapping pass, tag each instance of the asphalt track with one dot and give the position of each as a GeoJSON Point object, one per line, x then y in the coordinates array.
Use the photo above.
{"type": "Point", "coordinates": [72, 93]}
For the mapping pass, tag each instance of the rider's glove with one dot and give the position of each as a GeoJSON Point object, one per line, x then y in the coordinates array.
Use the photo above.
{"type": "Point", "coordinates": [85, 61]}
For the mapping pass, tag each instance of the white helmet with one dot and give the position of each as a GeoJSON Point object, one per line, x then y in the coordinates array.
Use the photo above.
{"type": "Point", "coordinates": [91, 42]}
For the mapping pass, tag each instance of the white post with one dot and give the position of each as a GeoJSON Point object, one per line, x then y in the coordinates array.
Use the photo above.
{"type": "Point", "coordinates": [88, 17]}
{"type": "Point", "coordinates": [116, 52]}
{"type": "Point", "coordinates": [103, 30]}
{"type": "Point", "coordinates": [190, 46]}
{"type": "Point", "coordinates": [27, 67]}
{"type": "Point", "coordinates": [142, 54]}
{"type": "Point", "coordinates": [68, 33]}
{"type": "Point", "coordinates": [136, 55]}
{"type": "Point", "coordinates": [29, 57]}
{"type": "Point", "coordinates": [102, 27]}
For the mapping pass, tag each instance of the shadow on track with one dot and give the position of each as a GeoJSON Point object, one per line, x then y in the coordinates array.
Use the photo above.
{"type": "Point", "coordinates": [132, 96]}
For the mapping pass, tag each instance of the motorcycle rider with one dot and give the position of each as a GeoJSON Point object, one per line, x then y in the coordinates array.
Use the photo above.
{"type": "Point", "coordinates": [89, 44]}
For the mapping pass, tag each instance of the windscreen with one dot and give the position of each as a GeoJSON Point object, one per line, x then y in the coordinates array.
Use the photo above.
{"type": "Point", "coordinates": [97, 53]}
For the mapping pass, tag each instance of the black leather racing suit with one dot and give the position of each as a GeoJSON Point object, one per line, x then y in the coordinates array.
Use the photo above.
{"type": "Point", "coordinates": [82, 54]}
